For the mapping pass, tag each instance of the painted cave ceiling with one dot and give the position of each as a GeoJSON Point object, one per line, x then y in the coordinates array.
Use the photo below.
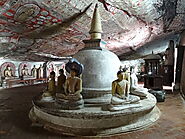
{"type": "Point", "coordinates": [39, 29]}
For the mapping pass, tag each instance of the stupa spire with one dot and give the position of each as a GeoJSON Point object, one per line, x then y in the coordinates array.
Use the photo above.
{"type": "Point", "coordinates": [96, 28]}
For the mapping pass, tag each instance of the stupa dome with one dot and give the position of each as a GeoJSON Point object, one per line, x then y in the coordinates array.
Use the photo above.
{"type": "Point", "coordinates": [100, 68]}
{"type": "Point", "coordinates": [100, 65]}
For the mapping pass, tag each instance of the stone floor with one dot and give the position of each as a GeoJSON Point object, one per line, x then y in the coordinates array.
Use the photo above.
{"type": "Point", "coordinates": [15, 104]}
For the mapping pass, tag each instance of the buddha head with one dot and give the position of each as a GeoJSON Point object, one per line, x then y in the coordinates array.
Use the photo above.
{"type": "Point", "coordinates": [8, 67]}
{"type": "Point", "coordinates": [24, 67]}
{"type": "Point", "coordinates": [120, 75]}
{"type": "Point", "coordinates": [73, 72]}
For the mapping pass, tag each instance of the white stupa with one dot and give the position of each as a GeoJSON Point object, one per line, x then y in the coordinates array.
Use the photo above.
{"type": "Point", "coordinates": [100, 65]}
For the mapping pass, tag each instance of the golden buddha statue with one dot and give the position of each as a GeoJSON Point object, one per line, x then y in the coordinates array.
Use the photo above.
{"type": "Point", "coordinates": [120, 94]}
{"type": "Point", "coordinates": [8, 72]}
{"type": "Point", "coordinates": [61, 81]}
{"type": "Point", "coordinates": [51, 88]}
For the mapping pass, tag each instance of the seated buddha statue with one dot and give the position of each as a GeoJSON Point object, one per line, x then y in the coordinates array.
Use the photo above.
{"type": "Point", "coordinates": [61, 81]}
{"type": "Point", "coordinates": [120, 89]}
{"type": "Point", "coordinates": [71, 98]}
{"type": "Point", "coordinates": [8, 73]}
{"type": "Point", "coordinates": [24, 71]}
{"type": "Point", "coordinates": [51, 88]}
{"type": "Point", "coordinates": [73, 87]}
{"type": "Point", "coordinates": [120, 93]}
{"type": "Point", "coordinates": [135, 88]}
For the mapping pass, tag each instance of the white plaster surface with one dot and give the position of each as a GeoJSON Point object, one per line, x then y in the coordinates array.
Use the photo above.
{"type": "Point", "coordinates": [100, 68]}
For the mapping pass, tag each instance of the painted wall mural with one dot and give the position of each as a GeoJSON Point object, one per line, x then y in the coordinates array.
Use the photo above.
{"type": "Point", "coordinates": [127, 25]}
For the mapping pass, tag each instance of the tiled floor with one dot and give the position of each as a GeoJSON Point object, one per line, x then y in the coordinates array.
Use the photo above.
{"type": "Point", "coordinates": [15, 104]}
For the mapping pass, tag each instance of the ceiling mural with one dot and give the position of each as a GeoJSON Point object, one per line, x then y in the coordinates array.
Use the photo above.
{"type": "Point", "coordinates": [29, 28]}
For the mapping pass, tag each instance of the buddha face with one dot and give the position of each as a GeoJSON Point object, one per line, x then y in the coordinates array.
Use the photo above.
{"type": "Point", "coordinates": [73, 73]}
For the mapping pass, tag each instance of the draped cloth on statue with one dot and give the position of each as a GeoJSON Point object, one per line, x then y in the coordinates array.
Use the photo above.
{"type": "Point", "coordinates": [135, 88]}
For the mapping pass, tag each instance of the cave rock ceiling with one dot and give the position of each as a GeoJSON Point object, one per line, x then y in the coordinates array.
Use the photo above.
{"type": "Point", "coordinates": [35, 29]}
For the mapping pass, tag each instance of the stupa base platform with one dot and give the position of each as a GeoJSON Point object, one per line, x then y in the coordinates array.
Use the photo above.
{"type": "Point", "coordinates": [94, 121]}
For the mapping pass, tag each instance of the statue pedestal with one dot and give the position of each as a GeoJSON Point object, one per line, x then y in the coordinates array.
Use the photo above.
{"type": "Point", "coordinates": [94, 120]}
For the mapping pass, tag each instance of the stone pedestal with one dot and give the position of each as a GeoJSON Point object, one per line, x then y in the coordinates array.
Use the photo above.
{"type": "Point", "coordinates": [94, 120]}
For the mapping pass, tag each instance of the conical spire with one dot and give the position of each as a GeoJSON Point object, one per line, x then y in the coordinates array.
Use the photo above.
{"type": "Point", "coordinates": [96, 28]}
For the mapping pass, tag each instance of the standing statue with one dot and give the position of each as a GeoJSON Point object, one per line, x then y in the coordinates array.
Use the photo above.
{"type": "Point", "coordinates": [40, 72]}
{"type": "Point", "coordinates": [135, 88]}
{"type": "Point", "coordinates": [61, 81]}
{"type": "Point", "coordinates": [8, 72]}
{"type": "Point", "coordinates": [51, 88]}
{"type": "Point", "coordinates": [34, 72]}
